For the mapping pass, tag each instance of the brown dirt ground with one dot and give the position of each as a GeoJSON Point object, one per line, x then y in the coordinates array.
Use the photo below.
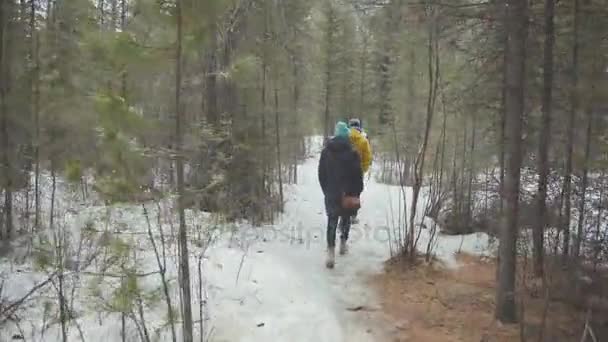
{"type": "Point", "coordinates": [429, 303]}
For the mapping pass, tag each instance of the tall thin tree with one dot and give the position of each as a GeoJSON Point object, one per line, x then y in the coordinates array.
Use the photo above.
{"type": "Point", "coordinates": [36, 110]}
{"type": "Point", "coordinates": [5, 12]}
{"type": "Point", "coordinates": [516, 25]}
{"type": "Point", "coordinates": [433, 69]}
{"type": "Point", "coordinates": [584, 182]}
{"type": "Point", "coordinates": [277, 124]}
{"type": "Point", "coordinates": [329, 45]}
{"type": "Point", "coordinates": [574, 99]}
{"type": "Point", "coordinates": [545, 140]}
{"type": "Point", "coordinates": [184, 256]}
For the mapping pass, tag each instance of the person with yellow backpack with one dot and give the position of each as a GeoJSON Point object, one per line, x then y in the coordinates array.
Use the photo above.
{"type": "Point", "coordinates": [359, 141]}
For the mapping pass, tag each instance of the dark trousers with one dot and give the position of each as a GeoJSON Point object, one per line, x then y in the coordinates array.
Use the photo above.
{"type": "Point", "coordinates": [332, 225]}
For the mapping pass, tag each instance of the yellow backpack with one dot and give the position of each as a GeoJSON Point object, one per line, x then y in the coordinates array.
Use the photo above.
{"type": "Point", "coordinates": [361, 145]}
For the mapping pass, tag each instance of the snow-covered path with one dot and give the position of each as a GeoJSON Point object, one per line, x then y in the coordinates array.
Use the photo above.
{"type": "Point", "coordinates": [283, 282]}
{"type": "Point", "coordinates": [286, 294]}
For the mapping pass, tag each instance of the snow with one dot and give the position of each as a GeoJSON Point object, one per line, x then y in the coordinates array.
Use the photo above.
{"type": "Point", "coordinates": [260, 283]}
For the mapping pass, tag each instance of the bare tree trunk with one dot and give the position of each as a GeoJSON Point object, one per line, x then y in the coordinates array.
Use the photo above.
{"type": "Point", "coordinates": [438, 201]}
{"type": "Point", "coordinates": [277, 123]}
{"type": "Point", "coordinates": [53, 191]}
{"type": "Point", "coordinates": [433, 68]}
{"type": "Point", "coordinates": [36, 111]}
{"type": "Point", "coordinates": [162, 266]}
{"type": "Point", "coordinates": [516, 23]}
{"type": "Point", "coordinates": [559, 220]}
{"type": "Point", "coordinates": [454, 180]}
{"type": "Point", "coordinates": [211, 84]}
{"type": "Point", "coordinates": [469, 215]}
{"type": "Point", "coordinates": [201, 300]}
{"type": "Point", "coordinates": [502, 156]}
{"type": "Point", "coordinates": [503, 113]}
{"type": "Point", "coordinates": [570, 144]}
{"type": "Point", "coordinates": [597, 244]}
{"type": "Point", "coordinates": [183, 233]}
{"type": "Point", "coordinates": [62, 307]}
{"type": "Point", "coordinates": [328, 68]}
{"type": "Point", "coordinates": [265, 166]}
{"type": "Point", "coordinates": [409, 114]}
{"type": "Point", "coordinates": [60, 256]}
{"type": "Point", "coordinates": [581, 209]}
{"type": "Point", "coordinates": [265, 161]}
{"type": "Point", "coordinates": [123, 314]}
{"type": "Point", "coordinates": [31, 59]}
{"type": "Point", "coordinates": [142, 329]}
{"type": "Point", "coordinates": [296, 103]}
{"type": "Point", "coordinates": [5, 11]}
{"type": "Point", "coordinates": [443, 145]}
{"type": "Point", "coordinates": [327, 116]}
{"type": "Point", "coordinates": [463, 177]}
{"type": "Point", "coordinates": [545, 140]}
{"type": "Point", "coordinates": [123, 27]}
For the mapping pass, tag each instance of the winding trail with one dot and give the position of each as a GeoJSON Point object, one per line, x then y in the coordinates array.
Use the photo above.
{"type": "Point", "coordinates": [284, 291]}
{"type": "Point", "coordinates": [283, 283]}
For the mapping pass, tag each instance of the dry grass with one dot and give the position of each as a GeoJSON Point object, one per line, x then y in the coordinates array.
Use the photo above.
{"type": "Point", "coordinates": [430, 303]}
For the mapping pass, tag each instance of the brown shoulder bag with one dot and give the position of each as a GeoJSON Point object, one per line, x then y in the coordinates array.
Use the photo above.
{"type": "Point", "coordinates": [351, 202]}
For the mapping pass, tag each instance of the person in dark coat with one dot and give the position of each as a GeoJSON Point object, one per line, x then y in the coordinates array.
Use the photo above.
{"type": "Point", "coordinates": [339, 174]}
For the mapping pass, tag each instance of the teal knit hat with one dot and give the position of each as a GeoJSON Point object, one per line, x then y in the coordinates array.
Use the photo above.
{"type": "Point", "coordinates": [341, 130]}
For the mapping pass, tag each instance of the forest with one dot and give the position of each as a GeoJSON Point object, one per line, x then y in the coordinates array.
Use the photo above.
{"type": "Point", "coordinates": [148, 145]}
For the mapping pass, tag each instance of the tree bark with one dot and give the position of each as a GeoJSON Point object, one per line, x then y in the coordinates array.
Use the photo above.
{"type": "Point", "coordinates": [503, 114]}
{"type": "Point", "coordinates": [460, 203]}
{"type": "Point", "coordinates": [584, 180]}
{"type": "Point", "coordinates": [545, 139]}
{"type": "Point", "coordinates": [183, 233]}
{"type": "Point", "coordinates": [53, 191]}
{"type": "Point", "coordinates": [277, 123]}
{"type": "Point", "coordinates": [516, 24]}
{"type": "Point", "coordinates": [469, 215]}
{"type": "Point", "coordinates": [263, 147]}
{"type": "Point", "coordinates": [211, 84]}
{"type": "Point", "coordinates": [123, 27]}
{"type": "Point", "coordinates": [296, 103]}
{"type": "Point", "coordinates": [36, 112]}
{"type": "Point", "coordinates": [570, 144]}
{"type": "Point", "coordinates": [597, 241]}
{"type": "Point", "coordinates": [63, 315]}
{"type": "Point", "coordinates": [328, 69]}
{"type": "Point", "coordinates": [454, 180]}
{"type": "Point", "coordinates": [5, 10]}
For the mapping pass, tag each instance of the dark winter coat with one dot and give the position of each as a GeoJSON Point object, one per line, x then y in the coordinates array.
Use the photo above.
{"type": "Point", "coordinates": [339, 173]}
